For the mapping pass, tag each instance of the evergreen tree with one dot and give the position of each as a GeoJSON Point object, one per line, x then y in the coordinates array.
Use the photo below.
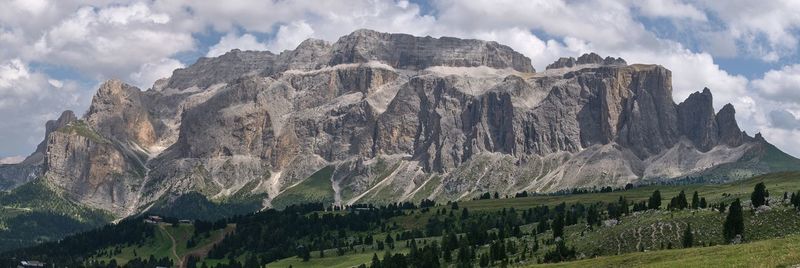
{"type": "Point", "coordinates": [592, 216]}
{"type": "Point", "coordinates": [695, 200]}
{"type": "Point", "coordinates": [484, 261]}
{"type": "Point", "coordinates": [558, 225]}
{"type": "Point", "coordinates": [679, 202]}
{"type": "Point", "coordinates": [376, 263]}
{"type": "Point", "coordinates": [542, 226]}
{"type": "Point", "coordinates": [734, 222]}
{"type": "Point", "coordinates": [759, 195]}
{"type": "Point", "coordinates": [722, 207]}
{"type": "Point", "coordinates": [655, 200]}
{"type": "Point", "coordinates": [623, 205]}
{"type": "Point", "coordinates": [688, 237]}
{"type": "Point", "coordinates": [703, 203]}
{"type": "Point", "coordinates": [304, 253]}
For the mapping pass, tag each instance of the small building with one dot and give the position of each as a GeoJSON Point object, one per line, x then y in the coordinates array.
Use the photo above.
{"type": "Point", "coordinates": [152, 219]}
{"type": "Point", "coordinates": [28, 264]}
{"type": "Point", "coordinates": [185, 221]}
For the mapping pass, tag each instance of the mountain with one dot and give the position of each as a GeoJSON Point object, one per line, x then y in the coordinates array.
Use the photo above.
{"type": "Point", "coordinates": [377, 118]}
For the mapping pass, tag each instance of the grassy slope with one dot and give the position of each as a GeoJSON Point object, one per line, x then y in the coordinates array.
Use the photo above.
{"type": "Point", "coordinates": [34, 213]}
{"type": "Point", "coordinates": [635, 232]}
{"type": "Point", "coordinates": [316, 188]}
{"type": "Point", "coordinates": [160, 245]}
{"type": "Point", "coordinates": [776, 183]}
{"type": "Point", "coordinates": [780, 252]}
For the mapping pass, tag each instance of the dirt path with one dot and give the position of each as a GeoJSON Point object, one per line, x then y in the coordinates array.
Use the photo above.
{"type": "Point", "coordinates": [174, 246]}
{"type": "Point", "coordinates": [201, 252]}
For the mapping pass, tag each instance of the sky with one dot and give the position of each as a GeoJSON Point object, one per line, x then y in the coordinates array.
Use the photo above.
{"type": "Point", "coordinates": [54, 54]}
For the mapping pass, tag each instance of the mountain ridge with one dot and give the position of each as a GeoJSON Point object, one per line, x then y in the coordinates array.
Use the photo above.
{"type": "Point", "coordinates": [395, 117]}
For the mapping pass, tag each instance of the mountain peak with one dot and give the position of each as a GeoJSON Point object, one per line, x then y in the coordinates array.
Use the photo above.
{"type": "Point", "coordinates": [585, 59]}
{"type": "Point", "coordinates": [405, 51]}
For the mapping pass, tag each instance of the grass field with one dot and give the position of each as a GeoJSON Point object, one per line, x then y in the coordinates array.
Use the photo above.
{"type": "Point", "coordinates": [776, 183]}
{"type": "Point", "coordinates": [334, 261]}
{"type": "Point", "coordinates": [772, 238]}
{"type": "Point", "coordinates": [316, 188]}
{"type": "Point", "coordinates": [782, 252]}
{"type": "Point", "coordinates": [160, 245]}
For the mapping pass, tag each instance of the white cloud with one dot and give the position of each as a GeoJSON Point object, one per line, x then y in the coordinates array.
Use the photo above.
{"type": "Point", "coordinates": [670, 9]}
{"type": "Point", "coordinates": [767, 29]}
{"type": "Point", "coordinates": [55, 83]}
{"type": "Point", "coordinates": [110, 42]}
{"type": "Point", "coordinates": [10, 72]}
{"type": "Point", "coordinates": [290, 35]}
{"type": "Point", "coordinates": [780, 85]}
{"type": "Point", "coordinates": [27, 100]}
{"type": "Point", "coordinates": [150, 72]}
{"type": "Point", "coordinates": [231, 41]}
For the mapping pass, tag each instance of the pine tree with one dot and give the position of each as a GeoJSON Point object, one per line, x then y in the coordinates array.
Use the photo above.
{"type": "Point", "coordinates": [592, 216]}
{"type": "Point", "coordinates": [376, 263]}
{"type": "Point", "coordinates": [655, 200]}
{"type": "Point", "coordinates": [688, 237]}
{"type": "Point", "coordinates": [734, 222]}
{"type": "Point", "coordinates": [542, 226]}
{"type": "Point", "coordinates": [679, 202]}
{"type": "Point", "coordinates": [484, 261]}
{"type": "Point", "coordinates": [558, 225]}
{"type": "Point", "coordinates": [759, 195]}
{"type": "Point", "coordinates": [695, 200]}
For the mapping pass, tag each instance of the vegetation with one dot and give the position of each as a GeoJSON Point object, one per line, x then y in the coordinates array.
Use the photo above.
{"type": "Point", "coordinates": [314, 189]}
{"type": "Point", "coordinates": [34, 213]}
{"type": "Point", "coordinates": [531, 229]}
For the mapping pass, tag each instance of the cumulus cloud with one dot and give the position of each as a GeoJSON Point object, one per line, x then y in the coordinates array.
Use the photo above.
{"type": "Point", "coordinates": [27, 100]}
{"type": "Point", "coordinates": [780, 85]}
{"type": "Point", "coordinates": [110, 42]}
{"type": "Point", "coordinates": [233, 41]}
{"type": "Point", "coordinates": [150, 72]}
{"type": "Point", "coordinates": [766, 29]}
{"type": "Point", "coordinates": [784, 120]}
{"type": "Point", "coordinates": [290, 35]}
{"type": "Point", "coordinates": [670, 9]}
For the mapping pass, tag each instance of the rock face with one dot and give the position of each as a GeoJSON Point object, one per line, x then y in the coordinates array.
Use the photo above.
{"type": "Point", "coordinates": [585, 59]}
{"type": "Point", "coordinates": [387, 117]}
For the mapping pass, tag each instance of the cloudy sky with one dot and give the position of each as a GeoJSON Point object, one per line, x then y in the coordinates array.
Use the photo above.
{"type": "Point", "coordinates": [54, 53]}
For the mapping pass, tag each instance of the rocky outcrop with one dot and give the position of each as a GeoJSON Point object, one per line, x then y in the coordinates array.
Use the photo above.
{"type": "Point", "coordinates": [585, 59]}
{"type": "Point", "coordinates": [729, 132]}
{"type": "Point", "coordinates": [91, 169]}
{"type": "Point", "coordinates": [118, 112]}
{"type": "Point", "coordinates": [32, 167]}
{"type": "Point", "coordinates": [393, 117]}
{"type": "Point", "coordinates": [410, 52]}
{"type": "Point", "coordinates": [698, 121]}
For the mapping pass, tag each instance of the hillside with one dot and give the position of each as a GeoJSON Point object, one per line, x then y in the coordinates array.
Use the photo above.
{"type": "Point", "coordinates": [382, 118]}
{"type": "Point", "coordinates": [781, 252]}
{"type": "Point", "coordinates": [522, 228]}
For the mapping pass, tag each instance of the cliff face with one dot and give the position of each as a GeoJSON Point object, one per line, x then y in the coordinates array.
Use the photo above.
{"type": "Point", "coordinates": [393, 117]}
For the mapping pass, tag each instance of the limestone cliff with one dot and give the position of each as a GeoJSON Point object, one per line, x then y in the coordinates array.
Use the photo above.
{"type": "Point", "coordinates": [387, 117]}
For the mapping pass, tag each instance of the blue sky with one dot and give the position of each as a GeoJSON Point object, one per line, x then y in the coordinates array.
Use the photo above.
{"type": "Point", "coordinates": [54, 54]}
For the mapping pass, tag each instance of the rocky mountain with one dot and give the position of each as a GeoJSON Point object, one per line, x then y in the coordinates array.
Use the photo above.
{"type": "Point", "coordinates": [378, 117]}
